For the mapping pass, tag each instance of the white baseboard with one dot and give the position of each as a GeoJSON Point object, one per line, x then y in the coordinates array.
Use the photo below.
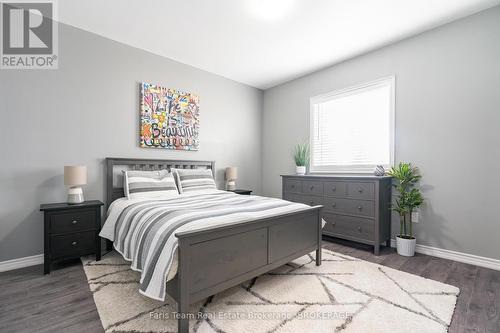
{"type": "Point", "coordinates": [456, 256]}
{"type": "Point", "coordinates": [9, 265]}
{"type": "Point", "coordinates": [423, 249]}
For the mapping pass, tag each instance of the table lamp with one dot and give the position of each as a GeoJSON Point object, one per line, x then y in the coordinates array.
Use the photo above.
{"type": "Point", "coordinates": [231, 176]}
{"type": "Point", "coordinates": [74, 177]}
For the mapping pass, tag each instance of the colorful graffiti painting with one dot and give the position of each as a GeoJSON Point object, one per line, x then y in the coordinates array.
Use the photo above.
{"type": "Point", "coordinates": [169, 118]}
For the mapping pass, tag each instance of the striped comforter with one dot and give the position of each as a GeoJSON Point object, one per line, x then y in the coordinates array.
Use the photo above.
{"type": "Point", "coordinates": [143, 229]}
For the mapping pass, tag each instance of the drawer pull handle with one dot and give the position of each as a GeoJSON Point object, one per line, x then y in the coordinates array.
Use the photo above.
{"type": "Point", "coordinates": [312, 203]}
{"type": "Point", "coordinates": [74, 222]}
{"type": "Point", "coordinates": [360, 190]}
{"type": "Point", "coordinates": [359, 229]}
{"type": "Point", "coordinates": [74, 243]}
{"type": "Point", "coordinates": [333, 223]}
{"type": "Point", "coordinates": [311, 188]}
{"type": "Point", "coordinates": [334, 188]}
{"type": "Point", "coordinates": [334, 204]}
{"type": "Point", "coordinates": [360, 208]}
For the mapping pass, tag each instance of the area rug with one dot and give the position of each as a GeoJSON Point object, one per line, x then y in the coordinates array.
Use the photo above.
{"type": "Point", "coordinates": [344, 294]}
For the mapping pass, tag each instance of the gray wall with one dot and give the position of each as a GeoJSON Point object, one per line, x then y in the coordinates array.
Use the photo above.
{"type": "Point", "coordinates": [447, 123]}
{"type": "Point", "coordinates": [88, 110]}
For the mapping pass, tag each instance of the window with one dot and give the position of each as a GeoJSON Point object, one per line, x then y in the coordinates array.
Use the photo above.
{"type": "Point", "coordinates": [352, 130]}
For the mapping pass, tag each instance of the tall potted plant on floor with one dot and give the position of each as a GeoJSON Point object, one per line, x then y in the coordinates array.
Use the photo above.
{"type": "Point", "coordinates": [301, 157]}
{"type": "Point", "coordinates": [405, 181]}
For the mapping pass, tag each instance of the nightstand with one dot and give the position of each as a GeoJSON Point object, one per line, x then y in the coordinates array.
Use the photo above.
{"type": "Point", "coordinates": [71, 231]}
{"type": "Point", "coordinates": [242, 192]}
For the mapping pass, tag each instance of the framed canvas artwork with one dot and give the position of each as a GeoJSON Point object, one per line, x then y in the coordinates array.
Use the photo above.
{"type": "Point", "coordinates": [169, 118]}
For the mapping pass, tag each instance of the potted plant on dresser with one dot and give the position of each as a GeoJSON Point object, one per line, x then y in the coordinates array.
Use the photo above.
{"type": "Point", "coordinates": [301, 157]}
{"type": "Point", "coordinates": [409, 198]}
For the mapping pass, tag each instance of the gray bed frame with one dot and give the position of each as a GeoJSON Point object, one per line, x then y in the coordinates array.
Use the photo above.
{"type": "Point", "coordinates": [213, 259]}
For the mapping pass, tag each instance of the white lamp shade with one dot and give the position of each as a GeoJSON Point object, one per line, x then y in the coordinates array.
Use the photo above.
{"type": "Point", "coordinates": [75, 175]}
{"type": "Point", "coordinates": [231, 173]}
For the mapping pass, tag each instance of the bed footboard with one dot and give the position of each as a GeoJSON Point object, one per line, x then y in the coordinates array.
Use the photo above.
{"type": "Point", "coordinates": [214, 259]}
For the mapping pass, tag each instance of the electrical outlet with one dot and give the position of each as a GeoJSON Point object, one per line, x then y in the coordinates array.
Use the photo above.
{"type": "Point", "coordinates": [415, 217]}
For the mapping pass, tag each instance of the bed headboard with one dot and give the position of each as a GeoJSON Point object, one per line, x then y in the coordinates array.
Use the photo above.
{"type": "Point", "coordinates": [114, 174]}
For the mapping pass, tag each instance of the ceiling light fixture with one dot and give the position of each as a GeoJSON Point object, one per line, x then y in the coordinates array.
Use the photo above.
{"type": "Point", "coordinates": [270, 9]}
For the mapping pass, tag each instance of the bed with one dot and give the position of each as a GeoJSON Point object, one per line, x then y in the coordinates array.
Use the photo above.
{"type": "Point", "coordinates": [202, 259]}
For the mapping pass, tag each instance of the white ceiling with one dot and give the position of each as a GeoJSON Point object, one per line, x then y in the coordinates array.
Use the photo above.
{"type": "Point", "coordinates": [262, 42]}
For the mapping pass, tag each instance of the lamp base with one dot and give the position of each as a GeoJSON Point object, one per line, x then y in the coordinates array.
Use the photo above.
{"type": "Point", "coordinates": [231, 185]}
{"type": "Point", "coordinates": [75, 195]}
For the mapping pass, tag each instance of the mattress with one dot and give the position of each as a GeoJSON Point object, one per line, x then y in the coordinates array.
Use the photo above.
{"type": "Point", "coordinates": [143, 229]}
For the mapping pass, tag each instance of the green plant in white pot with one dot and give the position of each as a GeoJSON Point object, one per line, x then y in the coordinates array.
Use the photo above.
{"type": "Point", "coordinates": [301, 157]}
{"type": "Point", "coordinates": [409, 198]}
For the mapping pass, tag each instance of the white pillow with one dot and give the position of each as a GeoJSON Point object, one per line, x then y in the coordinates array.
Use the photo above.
{"type": "Point", "coordinates": [149, 184]}
{"type": "Point", "coordinates": [190, 180]}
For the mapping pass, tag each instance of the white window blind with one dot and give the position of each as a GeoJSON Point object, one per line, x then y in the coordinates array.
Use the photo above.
{"type": "Point", "coordinates": [352, 130]}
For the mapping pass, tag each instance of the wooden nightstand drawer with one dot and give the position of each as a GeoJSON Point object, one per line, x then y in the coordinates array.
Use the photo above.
{"type": "Point", "coordinates": [72, 244]}
{"type": "Point", "coordinates": [72, 221]}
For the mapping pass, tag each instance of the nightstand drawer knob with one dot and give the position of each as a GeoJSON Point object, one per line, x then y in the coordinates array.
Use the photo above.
{"type": "Point", "coordinates": [74, 222]}
{"type": "Point", "coordinates": [360, 208]}
{"type": "Point", "coordinates": [360, 190]}
{"type": "Point", "coordinates": [312, 203]}
{"type": "Point", "coordinates": [74, 243]}
{"type": "Point", "coordinates": [311, 188]}
{"type": "Point", "coordinates": [334, 204]}
{"type": "Point", "coordinates": [334, 188]}
{"type": "Point", "coordinates": [359, 229]}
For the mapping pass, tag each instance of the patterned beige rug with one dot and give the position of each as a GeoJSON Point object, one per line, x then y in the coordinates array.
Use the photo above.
{"type": "Point", "coordinates": [344, 294]}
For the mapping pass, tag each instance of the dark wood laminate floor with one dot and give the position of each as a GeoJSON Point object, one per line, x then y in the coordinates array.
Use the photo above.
{"type": "Point", "coordinates": [62, 301]}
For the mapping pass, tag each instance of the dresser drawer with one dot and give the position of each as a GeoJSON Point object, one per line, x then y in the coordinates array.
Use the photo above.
{"type": "Point", "coordinates": [312, 187]}
{"type": "Point", "coordinates": [350, 206]}
{"type": "Point", "coordinates": [293, 186]}
{"type": "Point", "coordinates": [74, 221]}
{"type": "Point", "coordinates": [305, 199]}
{"type": "Point", "coordinates": [361, 190]}
{"type": "Point", "coordinates": [349, 226]}
{"type": "Point", "coordinates": [335, 189]}
{"type": "Point", "coordinates": [79, 243]}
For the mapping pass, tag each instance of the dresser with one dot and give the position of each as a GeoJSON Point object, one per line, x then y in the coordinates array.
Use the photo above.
{"type": "Point", "coordinates": [356, 208]}
{"type": "Point", "coordinates": [71, 231]}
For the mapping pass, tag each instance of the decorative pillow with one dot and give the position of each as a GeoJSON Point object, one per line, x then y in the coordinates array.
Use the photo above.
{"type": "Point", "coordinates": [190, 180]}
{"type": "Point", "coordinates": [148, 184]}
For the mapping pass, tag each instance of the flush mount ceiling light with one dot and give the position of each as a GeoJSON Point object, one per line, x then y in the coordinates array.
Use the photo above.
{"type": "Point", "coordinates": [270, 9]}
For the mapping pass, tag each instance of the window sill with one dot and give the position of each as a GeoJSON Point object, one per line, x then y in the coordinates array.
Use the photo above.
{"type": "Point", "coordinates": [342, 172]}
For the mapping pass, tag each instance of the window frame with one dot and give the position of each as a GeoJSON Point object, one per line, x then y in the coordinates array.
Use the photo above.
{"type": "Point", "coordinates": [354, 169]}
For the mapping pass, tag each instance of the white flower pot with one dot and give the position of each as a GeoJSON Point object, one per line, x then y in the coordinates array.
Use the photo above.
{"type": "Point", "coordinates": [406, 247]}
{"type": "Point", "coordinates": [301, 170]}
